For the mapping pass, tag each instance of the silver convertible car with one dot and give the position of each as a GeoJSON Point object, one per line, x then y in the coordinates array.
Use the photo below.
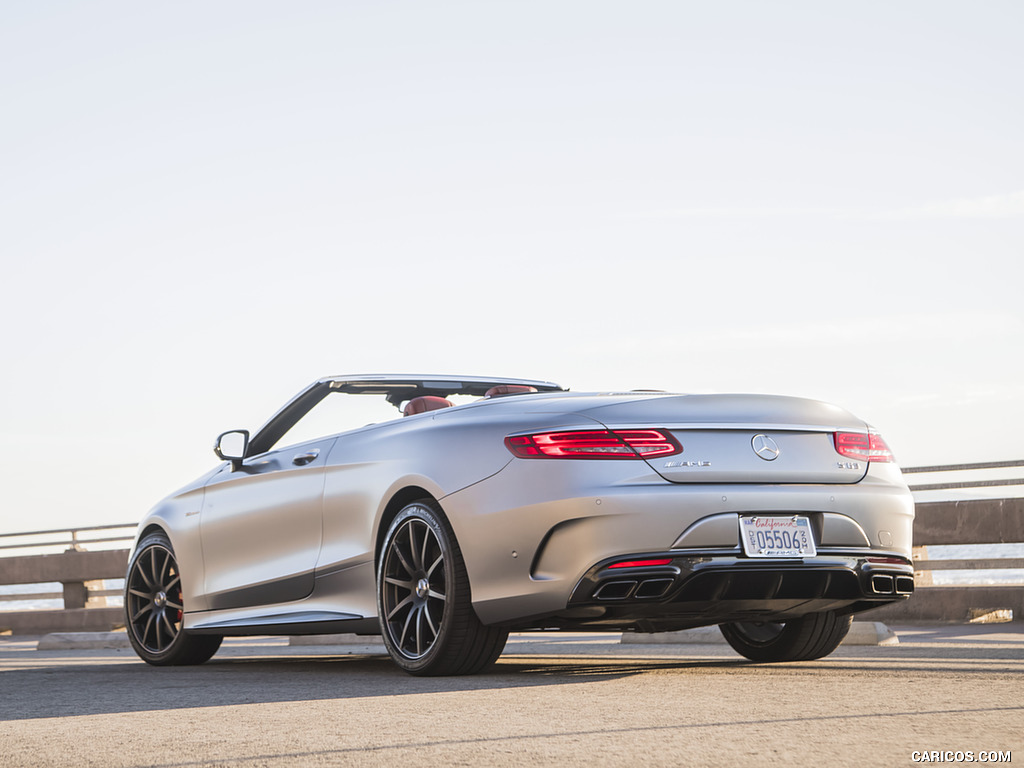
{"type": "Point", "coordinates": [482, 506]}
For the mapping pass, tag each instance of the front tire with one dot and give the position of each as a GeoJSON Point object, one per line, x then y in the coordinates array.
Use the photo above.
{"type": "Point", "coordinates": [154, 610]}
{"type": "Point", "coordinates": [810, 637]}
{"type": "Point", "coordinates": [423, 599]}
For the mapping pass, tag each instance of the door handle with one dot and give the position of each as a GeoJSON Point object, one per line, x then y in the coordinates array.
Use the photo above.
{"type": "Point", "coordinates": [305, 458]}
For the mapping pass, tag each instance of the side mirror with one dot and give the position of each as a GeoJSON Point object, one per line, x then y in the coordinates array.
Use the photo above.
{"type": "Point", "coordinates": [231, 446]}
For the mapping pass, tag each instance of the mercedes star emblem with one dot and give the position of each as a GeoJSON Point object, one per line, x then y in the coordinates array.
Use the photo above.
{"type": "Point", "coordinates": [765, 447]}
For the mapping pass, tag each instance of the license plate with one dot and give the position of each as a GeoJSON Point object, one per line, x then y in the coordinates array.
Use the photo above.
{"type": "Point", "coordinates": [777, 536]}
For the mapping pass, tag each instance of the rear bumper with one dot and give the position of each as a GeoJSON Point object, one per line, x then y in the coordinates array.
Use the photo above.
{"type": "Point", "coordinates": [698, 590]}
{"type": "Point", "coordinates": [532, 533]}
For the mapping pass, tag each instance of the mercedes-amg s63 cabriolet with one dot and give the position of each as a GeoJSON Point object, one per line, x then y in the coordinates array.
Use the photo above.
{"type": "Point", "coordinates": [477, 506]}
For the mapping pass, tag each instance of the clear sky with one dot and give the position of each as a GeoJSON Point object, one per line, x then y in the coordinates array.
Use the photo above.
{"type": "Point", "coordinates": [206, 206]}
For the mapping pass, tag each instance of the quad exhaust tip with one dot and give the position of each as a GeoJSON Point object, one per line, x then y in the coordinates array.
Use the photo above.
{"type": "Point", "coordinates": [887, 584]}
{"type": "Point", "coordinates": [615, 590]}
{"type": "Point", "coordinates": [648, 589]}
{"type": "Point", "coordinates": [651, 588]}
{"type": "Point", "coordinates": [883, 584]}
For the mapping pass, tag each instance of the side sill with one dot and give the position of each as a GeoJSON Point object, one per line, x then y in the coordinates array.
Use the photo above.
{"type": "Point", "coordinates": [299, 623]}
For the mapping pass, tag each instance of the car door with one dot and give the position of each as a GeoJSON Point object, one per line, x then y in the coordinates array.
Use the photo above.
{"type": "Point", "coordinates": [261, 527]}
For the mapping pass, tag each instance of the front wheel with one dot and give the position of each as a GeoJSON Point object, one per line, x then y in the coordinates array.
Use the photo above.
{"type": "Point", "coordinates": [809, 637]}
{"type": "Point", "coordinates": [423, 599]}
{"type": "Point", "coordinates": [154, 609]}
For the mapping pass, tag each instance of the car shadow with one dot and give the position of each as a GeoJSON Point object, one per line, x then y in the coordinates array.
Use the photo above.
{"type": "Point", "coordinates": [78, 687]}
{"type": "Point", "coordinates": [101, 685]}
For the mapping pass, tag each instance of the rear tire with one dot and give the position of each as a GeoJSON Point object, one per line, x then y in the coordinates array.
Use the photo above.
{"type": "Point", "coordinates": [423, 599]}
{"type": "Point", "coordinates": [154, 609]}
{"type": "Point", "coordinates": [809, 637]}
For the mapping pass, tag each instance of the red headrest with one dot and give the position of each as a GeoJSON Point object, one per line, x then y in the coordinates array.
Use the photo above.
{"type": "Point", "coordinates": [424, 404]}
{"type": "Point", "coordinates": [508, 389]}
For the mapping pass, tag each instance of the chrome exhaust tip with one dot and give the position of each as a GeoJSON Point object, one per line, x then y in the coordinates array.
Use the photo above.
{"type": "Point", "coordinates": [905, 585]}
{"type": "Point", "coordinates": [882, 584]}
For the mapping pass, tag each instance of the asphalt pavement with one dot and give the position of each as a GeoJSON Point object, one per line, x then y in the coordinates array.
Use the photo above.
{"type": "Point", "coordinates": [552, 699]}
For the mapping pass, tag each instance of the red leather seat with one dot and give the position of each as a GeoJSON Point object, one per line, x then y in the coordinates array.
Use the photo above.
{"type": "Point", "coordinates": [424, 404]}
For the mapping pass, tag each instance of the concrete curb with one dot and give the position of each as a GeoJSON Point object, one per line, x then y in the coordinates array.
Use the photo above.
{"type": "Point", "coordinates": [870, 633]}
{"type": "Point", "coordinates": [861, 633]}
{"type": "Point", "coordinates": [83, 641]}
{"type": "Point", "coordinates": [698, 636]}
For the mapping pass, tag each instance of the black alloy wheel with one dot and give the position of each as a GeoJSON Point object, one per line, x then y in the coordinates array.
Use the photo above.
{"type": "Point", "coordinates": [808, 637]}
{"type": "Point", "coordinates": [415, 588]}
{"type": "Point", "coordinates": [423, 599]}
{"type": "Point", "coordinates": [154, 608]}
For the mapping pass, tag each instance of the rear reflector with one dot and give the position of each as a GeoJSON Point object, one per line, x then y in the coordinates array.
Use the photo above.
{"type": "Point", "coordinates": [889, 560]}
{"type": "Point", "coordinates": [640, 563]}
{"type": "Point", "coordinates": [594, 444]}
{"type": "Point", "coordinates": [862, 446]}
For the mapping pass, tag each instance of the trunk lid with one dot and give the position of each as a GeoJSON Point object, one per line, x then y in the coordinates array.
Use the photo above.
{"type": "Point", "coordinates": [743, 438]}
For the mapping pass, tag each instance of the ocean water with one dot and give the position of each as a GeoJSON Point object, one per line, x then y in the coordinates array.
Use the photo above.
{"type": "Point", "coordinates": [977, 552]}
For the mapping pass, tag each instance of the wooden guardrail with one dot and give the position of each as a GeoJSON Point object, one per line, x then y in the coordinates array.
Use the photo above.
{"type": "Point", "coordinates": [79, 571]}
{"type": "Point", "coordinates": [969, 521]}
{"type": "Point", "coordinates": [67, 538]}
{"type": "Point", "coordinates": [964, 521]}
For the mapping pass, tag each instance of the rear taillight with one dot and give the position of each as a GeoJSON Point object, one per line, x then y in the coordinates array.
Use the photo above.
{"type": "Point", "coordinates": [594, 444]}
{"type": "Point", "coordinates": [862, 446]}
